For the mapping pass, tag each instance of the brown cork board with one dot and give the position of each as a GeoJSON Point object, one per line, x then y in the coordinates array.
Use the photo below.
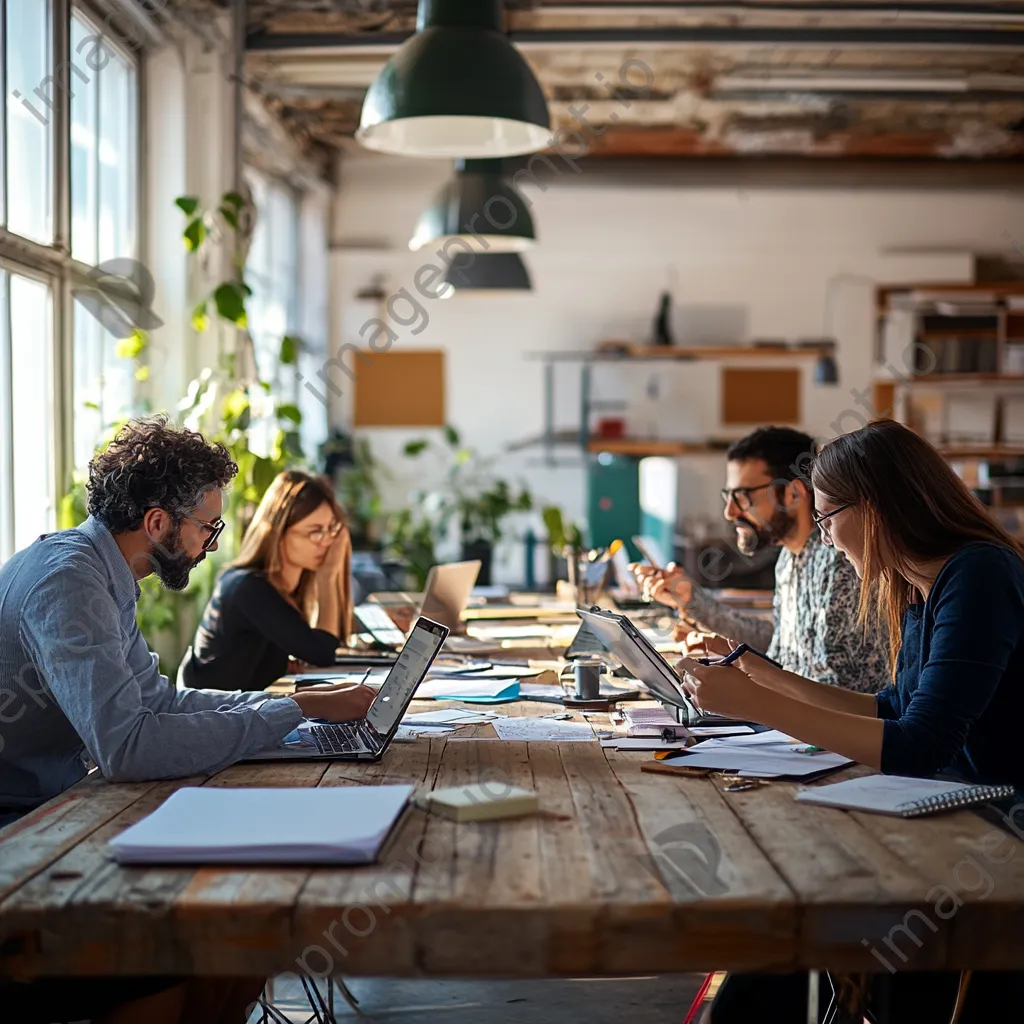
{"type": "Point", "coordinates": [400, 389]}
{"type": "Point", "coordinates": [760, 396]}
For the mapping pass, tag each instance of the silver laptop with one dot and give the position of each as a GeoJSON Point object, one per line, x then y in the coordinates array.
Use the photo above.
{"type": "Point", "coordinates": [632, 649]}
{"type": "Point", "coordinates": [447, 591]}
{"type": "Point", "coordinates": [368, 738]}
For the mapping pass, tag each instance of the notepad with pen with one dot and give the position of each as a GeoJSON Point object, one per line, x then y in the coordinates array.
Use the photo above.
{"type": "Point", "coordinates": [900, 796]}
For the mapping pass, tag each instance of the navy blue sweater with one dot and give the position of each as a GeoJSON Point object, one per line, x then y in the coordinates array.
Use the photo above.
{"type": "Point", "coordinates": [958, 702]}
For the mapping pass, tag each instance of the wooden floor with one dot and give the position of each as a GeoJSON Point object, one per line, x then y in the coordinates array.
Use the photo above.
{"type": "Point", "coordinates": [641, 1000]}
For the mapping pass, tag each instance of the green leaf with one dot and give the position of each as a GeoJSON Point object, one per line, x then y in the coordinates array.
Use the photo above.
{"type": "Point", "coordinates": [451, 435]}
{"type": "Point", "coordinates": [142, 373]}
{"type": "Point", "coordinates": [230, 216]}
{"type": "Point", "coordinates": [414, 448]}
{"type": "Point", "coordinates": [234, 199]}
{"type": "Point", "coordinates": [291, 444]}
{"type": "Point", "coordinates": [290, 412]}
{"type": "Point", "coordinates": [230, 301]}
{"type": "Point", "coordinates": [200, 318]}
{"type": "Point", "coordinates": [289, 350]}
{"type": "Point", "coordinates": [95, 406]}
{"type": "Point", "coordinates": [194, 234]}
{"type": "Point", "coordinates": [245, 288]}
{"type": "Point", "coordinates": [132, 346]}
{"type": "Point", "coordinates": [187, 204]}
{"type": "Point", "coordinates": [263, 473]}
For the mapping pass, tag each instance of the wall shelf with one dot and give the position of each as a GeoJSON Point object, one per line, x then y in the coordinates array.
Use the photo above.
{"type": "Point", "coordinates": [608, 351]}
{"type": "Point", "coordinates": [640, 447]}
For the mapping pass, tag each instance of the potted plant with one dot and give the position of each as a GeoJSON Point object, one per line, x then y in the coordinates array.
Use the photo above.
{"type": "Point", "coordinates": [473, 500]}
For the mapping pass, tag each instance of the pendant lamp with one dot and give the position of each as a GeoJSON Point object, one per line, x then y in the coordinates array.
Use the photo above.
{"type": "Point", "coordinates": [458, 88]}
{"type": "Point", "coordinates": [502, 272]}
{"type": "Point", "coordinates": [479, 208]}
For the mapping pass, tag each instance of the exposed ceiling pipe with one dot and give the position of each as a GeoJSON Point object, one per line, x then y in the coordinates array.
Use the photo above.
{"type": "Point", "coordinates": [902, 37]}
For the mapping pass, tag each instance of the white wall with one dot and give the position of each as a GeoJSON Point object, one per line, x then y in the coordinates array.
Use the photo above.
{"type": "Point", "coordinates": [605, 253]}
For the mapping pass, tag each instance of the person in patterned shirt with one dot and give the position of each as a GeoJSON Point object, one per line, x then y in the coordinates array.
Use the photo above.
{"type": "Point", "coordinates": [814, 629]}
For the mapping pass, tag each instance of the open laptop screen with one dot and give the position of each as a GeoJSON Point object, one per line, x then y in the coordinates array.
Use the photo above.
{"type": "Point", "coordinates": [626, 644]}
{"type": "Point", "coordinates": [396, 691]}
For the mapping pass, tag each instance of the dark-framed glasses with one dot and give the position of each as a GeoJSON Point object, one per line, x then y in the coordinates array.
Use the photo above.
{"type": "Point", "coordinates": [741, 496]}
{"type": "Point", "coordinates": [213, 530]}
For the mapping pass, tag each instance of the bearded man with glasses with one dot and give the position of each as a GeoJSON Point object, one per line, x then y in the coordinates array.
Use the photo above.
{"type": "Point", "coordinates": [814, 630]}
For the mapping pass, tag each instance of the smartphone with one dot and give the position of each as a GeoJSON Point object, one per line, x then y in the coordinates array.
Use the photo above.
{"type": "Point", "coordinates": [640, 544]}
{"type": "Point", "coordinates": [737, 654]}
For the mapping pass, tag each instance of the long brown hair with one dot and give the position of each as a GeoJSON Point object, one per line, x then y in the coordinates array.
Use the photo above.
{"type": "Point", "coordinates": [291, 496]}
{"type": "Point", "coordinates": [915, 509]}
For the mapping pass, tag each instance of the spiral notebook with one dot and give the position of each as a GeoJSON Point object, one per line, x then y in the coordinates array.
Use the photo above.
{"type": "Point", "coordinates": [903, 797]}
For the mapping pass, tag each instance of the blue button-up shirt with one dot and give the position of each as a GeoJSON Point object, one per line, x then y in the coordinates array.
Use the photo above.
{"type": "Point", "coordinates": [77, 681]}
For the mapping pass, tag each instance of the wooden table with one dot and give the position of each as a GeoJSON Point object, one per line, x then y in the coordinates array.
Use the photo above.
{"type": "Point", "coordinates": [757, 881]}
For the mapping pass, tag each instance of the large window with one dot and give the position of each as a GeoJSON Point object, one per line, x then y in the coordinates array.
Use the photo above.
{"type": "Point", "coordinates": [272, 272]}
{"type": "Point", "coordinates": [27, 445]}
{"type": "Point", "coordinates": [68, 128]}
{"type": "Point", "coordinates": [28, 128]}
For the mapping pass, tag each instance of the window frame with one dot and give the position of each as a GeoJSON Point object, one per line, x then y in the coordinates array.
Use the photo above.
{"type": "Point", "coordinates": [53, 263]}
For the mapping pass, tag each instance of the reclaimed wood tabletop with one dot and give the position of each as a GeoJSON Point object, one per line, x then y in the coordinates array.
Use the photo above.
{"type": "Point", "coordinates": [622, 872]}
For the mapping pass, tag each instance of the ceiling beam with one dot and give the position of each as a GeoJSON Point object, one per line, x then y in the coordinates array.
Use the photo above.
{"type": "Point", "coordinates": [956, 38]}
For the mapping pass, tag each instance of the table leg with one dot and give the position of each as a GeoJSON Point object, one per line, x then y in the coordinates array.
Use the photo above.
{"type": "Point", "coordinates": [813, 990]}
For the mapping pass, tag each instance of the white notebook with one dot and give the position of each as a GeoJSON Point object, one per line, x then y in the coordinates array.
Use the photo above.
{"type": "Point", "coordinates": [903, 797]}
{"type": "Point", "coordinates": [216, 825]}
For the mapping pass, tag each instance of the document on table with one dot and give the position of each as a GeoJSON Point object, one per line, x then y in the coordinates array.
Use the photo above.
{"type": "Point", "coordinates": [448, 716]}
{"type": "Point", "coordinates": [541, 730]}
{"type": "Point", "coordinates": [457, 672]}
{"type": "Point", "coordinates": [760, 761]}
{"type": "Point", "coordinates": [642, 743]}
{"type": "Point", "coordinates": [222, 825]}
{"type": "Point", "coordinates": [455, 688]}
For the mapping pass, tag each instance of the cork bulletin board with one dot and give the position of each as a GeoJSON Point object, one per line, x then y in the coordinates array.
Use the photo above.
{"type": "Point", "coordinates": [760, 396]}
{"type": "Point", "coordinates": [400, 389]}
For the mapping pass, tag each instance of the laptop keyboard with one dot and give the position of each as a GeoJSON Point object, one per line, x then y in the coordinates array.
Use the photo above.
{"type": "Point", "coordinates": [343, 738]}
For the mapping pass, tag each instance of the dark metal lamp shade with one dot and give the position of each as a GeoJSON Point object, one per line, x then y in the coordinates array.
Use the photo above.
{"type": "Point", "coordinates": [480, 209]}
{"type": "Point", "coordinates": [503, 271]}
{"type": "Point", "coordinates": [458, 88]}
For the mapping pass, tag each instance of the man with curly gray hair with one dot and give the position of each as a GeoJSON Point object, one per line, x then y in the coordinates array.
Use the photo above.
{"type": "Point", "coordinates": [77, 680]}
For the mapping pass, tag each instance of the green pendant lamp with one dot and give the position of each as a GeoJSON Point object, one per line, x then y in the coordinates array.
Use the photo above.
{"type": "Point", "coordinates": [458, 88]}
{"type": "Point", "coordinates": [480, 209]}
{"type": "Point", "coordinates": [493, 272]}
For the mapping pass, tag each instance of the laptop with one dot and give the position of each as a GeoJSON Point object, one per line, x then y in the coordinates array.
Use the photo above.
{"type": "Point", "coordinates": [630, 647]}
{"type": "Point", "coordinates": [368, 738]}
{"type": "Point", "coordinates": [445, 596]}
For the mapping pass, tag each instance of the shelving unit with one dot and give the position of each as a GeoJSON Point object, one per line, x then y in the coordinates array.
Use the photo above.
{"type": "Point", "coordinates": [623, 352]}
{"type": "Point", "coordinates": [971, 339]}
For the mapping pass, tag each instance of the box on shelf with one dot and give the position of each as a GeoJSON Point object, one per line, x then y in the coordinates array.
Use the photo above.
{"type": "Point", "coordinates": [1013, 419]}
{"type": "Point", "coordinates": [970, 419]}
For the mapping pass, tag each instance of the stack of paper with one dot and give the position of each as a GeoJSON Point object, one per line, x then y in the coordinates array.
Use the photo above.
{"type": "Point", "coordinates": [448, 717]}
{"type": "Point", "coordinates": [768, 755]}
{"type": "Point", "coordinates": [215, 825]}
{"type": "Point", "coordinates": [455, 688]}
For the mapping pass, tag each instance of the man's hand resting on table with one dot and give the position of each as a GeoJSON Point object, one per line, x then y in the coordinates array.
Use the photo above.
{"type": "Point", "coordinates": [335, 702]}
{"type": "Point", "coordinates": [669, 586]}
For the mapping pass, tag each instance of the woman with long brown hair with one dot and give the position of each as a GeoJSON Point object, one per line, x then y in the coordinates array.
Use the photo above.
{"type": "Point", "coordinates": [949, 582]}
{"type": "Point", "coordinates": [286, 595]}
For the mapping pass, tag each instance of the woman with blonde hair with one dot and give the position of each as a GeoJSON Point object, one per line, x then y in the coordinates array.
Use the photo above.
{"type": "Point", "coordinates": [286, 596]}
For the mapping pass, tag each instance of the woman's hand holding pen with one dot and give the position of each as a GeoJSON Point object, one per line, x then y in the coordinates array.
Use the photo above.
{"type": "Point", "coordinates": [724, 690]}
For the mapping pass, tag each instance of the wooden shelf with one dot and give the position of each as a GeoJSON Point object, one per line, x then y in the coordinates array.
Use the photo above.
{"type": "Point", "coordinates": [629, 351]}
{"type": "Point", "coordinates": [642, 447]}
{"type": "Point", "coordinates": [962, 378]}
{"type": "Point", "coordinates": [991, 452]}
{"type": "Point", "coordinates": [623, 352]}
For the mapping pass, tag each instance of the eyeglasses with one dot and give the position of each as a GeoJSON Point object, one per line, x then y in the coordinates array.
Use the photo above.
{"type": "Point", "coordinates": [214, 530]}
{"type": "Point", "coordinates": [820, 520]}
{"type": "Point", "coordinates": [742, 495]}
{"type": "Point", "coordinates": [321, 533]}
